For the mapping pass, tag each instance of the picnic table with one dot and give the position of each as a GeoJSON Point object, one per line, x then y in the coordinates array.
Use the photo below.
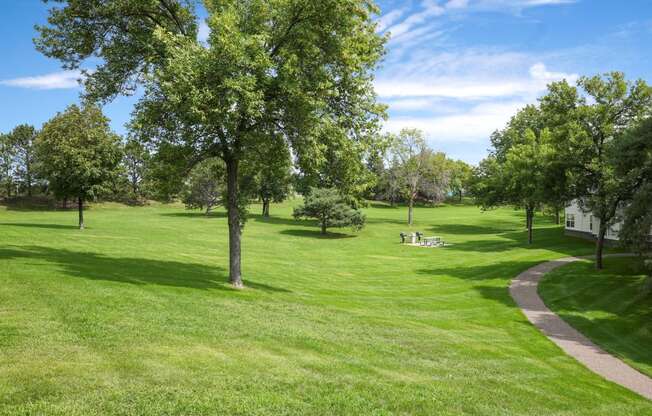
{"type": "Point", "coordinates": [432, 241]}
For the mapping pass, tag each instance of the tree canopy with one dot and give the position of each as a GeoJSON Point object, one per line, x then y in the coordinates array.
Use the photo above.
{"type": "Point", "coordinates": [331, 210]}
{"type": "Point", "coordinates": [297, 72]}
{"type": "Point", "coordinates": [79, 153]}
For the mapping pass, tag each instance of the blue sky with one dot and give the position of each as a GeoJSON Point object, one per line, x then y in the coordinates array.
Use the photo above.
{"type": "Point", "coordinates": [457, 69]}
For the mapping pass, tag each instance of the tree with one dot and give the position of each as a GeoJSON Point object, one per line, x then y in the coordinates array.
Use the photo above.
{"type": "Point", "coordinates": [588, 139]}
{"type": "Point", "coordinates": [410, 149]}
{"type": "Point", "coordinates": [205, 186]}
{"type": "Point", "coordinates": [436, 178]}
{"type": "Point", "coordinates": [330, 209]}
{"type": "Point", "coordinates": [272, 179]}
{"type": "Point", "coordinates": [78, 153]}
{"type": "Point", "coordinates": [525, 171]}
{"type": "Point", "coordinates": [299, 72]}
{"type": "Point", "coordinates": [460, 178]}
{"type": "Point", "coordinates": [135, 162]}
{"type": "Point", "coordinates": [634, 157]}
{"type": "Point", "coordinates": [6, 165]}
{"type": "Point", "coordinates": [21, 139]}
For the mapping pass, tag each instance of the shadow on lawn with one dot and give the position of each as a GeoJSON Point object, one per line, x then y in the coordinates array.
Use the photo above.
{"type": "Point", "coordinates": [316, 234]}
{"type": "Point", "coordinates": [195, 214]}
{"type": "Point", "coordinates": [36, 225]}
{"type": "Point", "coordinates": [138, 271]}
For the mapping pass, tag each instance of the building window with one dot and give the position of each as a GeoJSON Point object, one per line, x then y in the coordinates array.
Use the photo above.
{"type": "Point", "coordinates": [570, 221]}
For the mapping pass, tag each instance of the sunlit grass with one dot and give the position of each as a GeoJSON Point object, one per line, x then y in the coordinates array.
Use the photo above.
{"type": "Point", "coordinates": [134, 315]}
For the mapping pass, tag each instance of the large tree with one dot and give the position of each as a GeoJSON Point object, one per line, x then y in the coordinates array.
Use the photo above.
{"type": "Point", "coordinates": [135, 160]}
{"type": "Point", "coordinates": [78, 154]}
{"type": "Point", "coordinates": [6, 165]}
{"type": "Point", "coordinates": [460, 178]}
{"type": "Point", "coordinates": [294, 71]}
{"type": "Point", "coordinates": [22, 139]}
{"type": "Point", "coordinates": [594, 117]}
{"type": "Point", "coordinates": [634, 158]}
{"type": "Point", "coordinates": [411, 152]}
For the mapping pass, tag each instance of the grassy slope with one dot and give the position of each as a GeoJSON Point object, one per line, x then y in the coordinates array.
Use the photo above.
{"type": "Point", "coordinates": [607, 306]}
{"type": "Point", "coordinates": [133, 316]}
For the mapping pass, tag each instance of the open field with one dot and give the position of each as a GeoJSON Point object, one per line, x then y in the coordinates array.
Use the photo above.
{"type": "Point", "coordinates": [608, 306]}
{"type": "Point", "coordinates": [133, 316]}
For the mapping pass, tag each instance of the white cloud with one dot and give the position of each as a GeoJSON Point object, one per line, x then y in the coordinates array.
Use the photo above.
{"type": "Point", "coordinates": [472, 126]}
{"type": "Point", "coordinates": [468, 75]}
{"type": "Point", "coordinates": [429, 10]}
{"type": "Point", "coordinates": [389, 19]}
{"type": "Point", "coordinates": [57, 80]}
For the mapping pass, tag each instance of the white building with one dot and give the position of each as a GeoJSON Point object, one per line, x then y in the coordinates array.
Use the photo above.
{"type": "Point", "coordinates": [583, 224]}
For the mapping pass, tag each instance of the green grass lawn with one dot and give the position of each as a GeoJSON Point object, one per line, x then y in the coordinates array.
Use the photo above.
{"type": "Point", "coordinates": [608, 306]}
{"type": "Point", "coordinates": [133, 316]}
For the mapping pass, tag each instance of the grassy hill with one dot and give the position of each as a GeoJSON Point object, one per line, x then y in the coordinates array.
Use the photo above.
{"type": "Point", "coordinates": [609, 306]}
{"type": "Point", "coordinates": [133, 316]}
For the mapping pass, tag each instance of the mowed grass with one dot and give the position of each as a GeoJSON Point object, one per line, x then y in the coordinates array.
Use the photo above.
{"type": "Point", "coordinates": [134, 316]}
{"type": "Point", "coordinates": [609, 306]}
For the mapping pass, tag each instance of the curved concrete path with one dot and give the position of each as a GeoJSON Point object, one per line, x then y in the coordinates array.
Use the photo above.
{"type": "Point", "coordinates": [524, 291]}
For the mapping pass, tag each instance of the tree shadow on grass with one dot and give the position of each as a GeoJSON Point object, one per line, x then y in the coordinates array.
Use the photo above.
{"type": "Point", "coordinates": [274, 220]}
{"type": "Point", "coordinates": [137, 271]}
{"type": "Point", "coordinates": [466, 229]}
{"type": "Point", "coordinates": [37, 225]}
{"type": "Point", "coordinates": [316, 234]}
{"type": "Point", "coordinates": [195, 214]}
{"type": "Point", "coordinates": [544, 239]}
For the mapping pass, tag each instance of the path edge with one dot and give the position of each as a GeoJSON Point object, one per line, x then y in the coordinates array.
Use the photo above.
{"type": "Point", "coordinates": [524, 290]}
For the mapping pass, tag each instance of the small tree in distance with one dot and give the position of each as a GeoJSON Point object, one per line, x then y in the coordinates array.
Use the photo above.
{"type": "Point", "coordinates": [205, 186]}
{"type": "Point", "coordinates": [78, 154]}
{"type": "Point", "coordinates": [330, 209]}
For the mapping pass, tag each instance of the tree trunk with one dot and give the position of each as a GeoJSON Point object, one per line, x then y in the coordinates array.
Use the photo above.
{"type": "Point", "coordinates": [599, 245]}
{"type": "Point", "coordinates": [557, 216]}
{"type": "Point", "coordinates": [265, 207]}
{"type": "Point", "coordinates": [323, 227]}
{"type": "Point", "coordinates": [65, 203]}
{"type": "Point", "coordinates": [28, 172]}
{"type": "Point", "coordinates": [410, 209]}
{"type": "Point", "coordinates": [80, 206]}
{"type": "Point", "coordinates": [235, 229]}
{"type": "Point", "coordinates": [461, 196]}
{"type": "Point", "coordinates": [530, 223]}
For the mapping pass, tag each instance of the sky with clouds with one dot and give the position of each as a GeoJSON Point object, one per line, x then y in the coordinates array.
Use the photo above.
{"type": "Point", "coordinates": [456, 69]}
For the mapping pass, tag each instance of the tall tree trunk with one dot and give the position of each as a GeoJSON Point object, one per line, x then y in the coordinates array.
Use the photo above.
{"type": "Point", "coordinates": [530, 223]}
{"type": "Point", "coordinates": [599, 245]}
{"type": "Point", "coordinates": [323, 226]}
{"type": "Point", "coordinates": [461, 196]}
{"type": "Point", "coordinates": [235, 228]}
{"type": "Point", "coordinates": [410, 211]}
{"type": "Point", "coordinates": [265, 207]}
{"type": "Point", "coordinates": [65, 203]}
{"type": "Point", "coordinates": [28, 172]}
{"type": "Point", "coordinates": [80, 206]}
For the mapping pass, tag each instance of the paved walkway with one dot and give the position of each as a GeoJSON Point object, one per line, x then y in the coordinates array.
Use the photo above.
{"type": "Point", "coordinates": [524, 291]}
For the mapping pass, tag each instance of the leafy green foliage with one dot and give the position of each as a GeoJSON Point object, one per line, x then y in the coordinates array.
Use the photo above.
{"type": "Point", "coordinates": [205, 186]}
{"type": "Point", "coordinates": [589, 134]}
{"type": "Point", "coordinates": [7, 179]}
{"type": "Point", "coordinates": [330, 209]}
{"type": "Point", "coordinates": [22, 139]}
{"type": "Point", "coordinates": [121, 33]}
{"type": "Point", "coordinates": [78, 153]}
